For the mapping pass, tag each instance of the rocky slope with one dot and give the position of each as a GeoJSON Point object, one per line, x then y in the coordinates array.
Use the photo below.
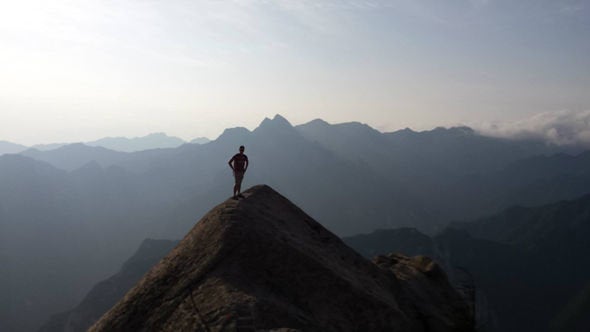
{"type": "Point", "coordinates": [261, 263]}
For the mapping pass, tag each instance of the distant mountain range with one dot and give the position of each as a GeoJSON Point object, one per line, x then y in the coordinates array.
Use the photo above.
{"type": "Point", "coordinates": [122, 144]}
{"type": "Point", "coordinates": [429, 177]}
{"type": "Point", "coordinates": [350, 177]}
{"type": "Point", "coordinates": [151, 141]}
{"type": "Point", "coordinates": [200, 140]}
{"type": "Point", "coordinates": [7, 147]}
{"type": "Point", "coordinates": [528, 263]}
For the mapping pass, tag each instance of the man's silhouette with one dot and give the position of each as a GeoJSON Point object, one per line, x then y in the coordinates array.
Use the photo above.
{"type": "Point", "coordinates": [239, 164]}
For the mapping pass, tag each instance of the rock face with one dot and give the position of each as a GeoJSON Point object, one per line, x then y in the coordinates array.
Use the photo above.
{"type": "Point", "coordinates": [261, 264]}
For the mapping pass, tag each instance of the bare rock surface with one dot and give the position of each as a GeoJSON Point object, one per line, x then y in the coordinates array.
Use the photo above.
{"type": "Point", "coordinates": [262, 264]}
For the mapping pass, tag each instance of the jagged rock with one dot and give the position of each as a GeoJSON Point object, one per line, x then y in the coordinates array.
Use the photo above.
{"type": "Point", "coordinates": [425, 285]}
{"type": "Point", "coordinates": [262, 264]}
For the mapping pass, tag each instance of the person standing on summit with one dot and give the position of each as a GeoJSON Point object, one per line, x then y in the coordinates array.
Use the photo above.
{"type": "Point", "coordinates": [239, 164]}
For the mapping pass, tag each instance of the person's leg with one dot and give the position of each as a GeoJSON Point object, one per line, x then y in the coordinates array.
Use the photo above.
{"type": "Point", "coordinates": [236, 181]}
{"type": "Point", "coordinates": [239, 178]}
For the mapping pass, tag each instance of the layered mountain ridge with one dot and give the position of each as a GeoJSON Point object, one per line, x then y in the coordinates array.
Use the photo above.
{"type": "Point", "coordinates": [120, 144]}
{"type": "Point", "coordinates": [349, 176]}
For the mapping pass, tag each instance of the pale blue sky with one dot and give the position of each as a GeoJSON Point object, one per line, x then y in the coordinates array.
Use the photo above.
{"type": "Point", "coordinates": [80, 70]}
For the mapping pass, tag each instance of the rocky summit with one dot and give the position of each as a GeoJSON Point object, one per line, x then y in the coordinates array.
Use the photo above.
{"type": "Point", "coordinates": [262, 264]}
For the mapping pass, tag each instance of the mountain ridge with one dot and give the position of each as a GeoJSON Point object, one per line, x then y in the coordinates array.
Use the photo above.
{"type": "Point", "coordinates": [9, 147]}
{"type": "Point", "coordinates": [147, 142]}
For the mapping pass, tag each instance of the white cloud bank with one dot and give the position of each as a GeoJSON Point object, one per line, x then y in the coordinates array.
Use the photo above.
{"type": "Point", "coordinates": [559, 128]}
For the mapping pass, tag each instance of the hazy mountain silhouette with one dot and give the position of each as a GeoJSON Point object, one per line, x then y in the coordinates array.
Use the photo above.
{"type": "Point", "coordinates": [537, 228]}
{"type": "Point", "coordinates": [61, 232]}
{"type": "Point", "coordinates": [8, 147]}
{"type": "Point", "coordinates": [48, 147]}
{"type": "Point", "coordinates": [525, 261]}
{"type": "Point", "coordinates": [262, 263]}
{"type": "Point", "coordinates": [200, 140]}
{"type": "Point", "coordinates": [425, 166]}
{"type": "Point", "coordinates": [449, 152]}
{"type": "Point", "coordinates": [121, 144]}
{"type": "Point", "coordinates": [148, 142]}
{"type": "Point", "coordinates": [72, 156]}
{"type": "Point", "coordinates": [108, 292]}
{"type": "Point", "coordinates": [447, 168]}
{"type": "Point", "coordinates": [30, 208]}
{"type": "Point", "coordinates": [432, 176]}
{"type": "Point", "coordinates": [282, 157]}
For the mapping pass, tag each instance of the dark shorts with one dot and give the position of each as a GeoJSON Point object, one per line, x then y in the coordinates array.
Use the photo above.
{"type": "Point", "coordinates": [239, 176]}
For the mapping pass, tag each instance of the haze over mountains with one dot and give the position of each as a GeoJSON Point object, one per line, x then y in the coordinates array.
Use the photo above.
{"type": "Point", "coordinates": [123, 144]}
{"type": "Point", "coordinates": [8, 147]}
{"type": "Point", "coordinates": [410, 168]}
{"type": "Point", "coordinates": [70, 217]}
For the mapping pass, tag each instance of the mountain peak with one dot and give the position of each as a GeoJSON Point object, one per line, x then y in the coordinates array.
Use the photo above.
{"type": "Point", "coordinates": [278, 122]}
{"type": "Point", "coordinates": [158, 134]}
{"type": "Point", "coordinates": [264, 260]}
{"type": "Point", "coordinates": [230, 134]}
{"type": "Point", "coordinates": [200, 140]}
{"type": "Point", "coordinates": [455, 131]}
{"type": "Point", "coordinates": [277, 129]}
{"type": "Point", "coordinates": [318, 122]}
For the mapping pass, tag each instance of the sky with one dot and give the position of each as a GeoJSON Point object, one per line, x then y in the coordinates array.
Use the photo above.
{"type": "Point", "coordinates": [85, 69]}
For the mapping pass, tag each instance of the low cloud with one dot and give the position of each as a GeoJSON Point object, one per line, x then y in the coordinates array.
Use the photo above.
{"type": "Point", "coordinates": [559, 128]}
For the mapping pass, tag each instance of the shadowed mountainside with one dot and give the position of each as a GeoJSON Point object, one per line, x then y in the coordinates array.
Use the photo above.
{"type": "Point", "coordinates": [61, 233]}
{"type": "Point", "coordinates": [527, 263]}
{"type": "Point", "coordinates": [108, 292]}
{"type": "Point", "coordinates": [263, 262]}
